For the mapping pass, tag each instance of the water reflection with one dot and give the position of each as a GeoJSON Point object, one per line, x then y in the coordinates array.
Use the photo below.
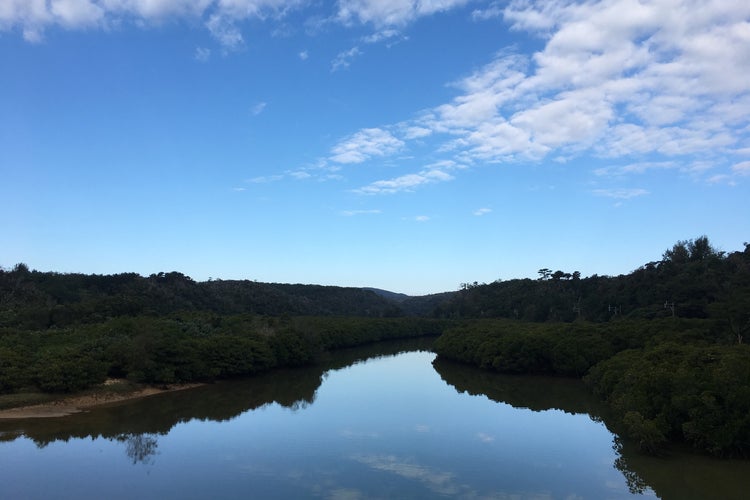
{"type": "Point", "coordinates": [140, 448]}
{"type": "Point", "coordinates": [384, 429]}
{"type": "Point", "coordinates": [636, 484]}
{"type": "Point", "coordinates": [436, 481]}
{"type": "Point", "coordinates": [537, 393]}
{"type": "Point", "coordinates": [678, 475]}
{"type": "Point", "coordinates": [223, 401]}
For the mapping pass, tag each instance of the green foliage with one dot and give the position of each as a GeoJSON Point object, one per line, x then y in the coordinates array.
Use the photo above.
{"type": "Point", "coordinates": [699, 280]}
{"type": "Point", "coordinates": [644, 431]}
{"type": "Point", "coordinates": [67, 369]}
{"type": "Point", "coordinates": [34, 300]}
{"type": "Point", "coordinates": [182, 348]}
{"type": "Point", "coordinates": [522, 347]}
{"type": "Point", "coordinates": [696, 394]}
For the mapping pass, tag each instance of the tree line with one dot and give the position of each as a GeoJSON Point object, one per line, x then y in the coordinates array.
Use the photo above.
{"type": "Point", "coordinates": [182, 347]}
{"type": "Point", "coordinates": [692, 280]}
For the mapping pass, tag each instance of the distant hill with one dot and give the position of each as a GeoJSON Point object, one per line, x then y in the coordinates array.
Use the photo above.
{"type": "Point", "coordinates": [692, 280]}
{"type": "Point", "coordinates": [416, 305]}
{"type": "Point", "coordinates": [426, 305]}
{"type": "Point", "coordinates": [34, 299]}
{"type": "Point", "coordinates": [393, 296]}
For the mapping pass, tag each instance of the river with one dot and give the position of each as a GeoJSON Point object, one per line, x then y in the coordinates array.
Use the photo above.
{"type": "Point", "coordinates": [385, 421]}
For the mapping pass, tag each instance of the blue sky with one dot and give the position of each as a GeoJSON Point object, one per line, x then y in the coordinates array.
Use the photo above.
{"type": "Point", "coordinates": [405, 145]}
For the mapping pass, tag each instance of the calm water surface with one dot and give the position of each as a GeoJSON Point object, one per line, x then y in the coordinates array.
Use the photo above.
{"type": "Point", "coordinates": [393, 426]}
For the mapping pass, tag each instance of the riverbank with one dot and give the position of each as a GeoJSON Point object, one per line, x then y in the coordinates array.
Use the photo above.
{"type": "Point", "coordinates": [111, 392]}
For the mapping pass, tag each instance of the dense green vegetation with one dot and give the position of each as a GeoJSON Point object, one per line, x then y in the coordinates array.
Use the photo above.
{"type": "Point", "coordinates": [37, 300]}
{"type": "Point", "coordinates": [663, 345]}
{"type": "Point", "coordinates": [182, 347]}
{"type": "Point", "coordinates": [692, 280]}
{"type": "Point", "coordinates": [67, 332]}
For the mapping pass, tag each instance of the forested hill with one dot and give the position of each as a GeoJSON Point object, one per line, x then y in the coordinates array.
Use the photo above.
{"type": "Point", "coordinates": [39, 300]}
{"type": "Point", "coordinates": [692, 280]}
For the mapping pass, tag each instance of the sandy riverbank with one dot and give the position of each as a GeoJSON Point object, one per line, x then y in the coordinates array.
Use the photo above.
{"type": "Point", "coordinates": [82, 402]}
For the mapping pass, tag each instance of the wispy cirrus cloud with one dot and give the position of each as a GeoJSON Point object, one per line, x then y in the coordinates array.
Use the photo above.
{"type": "Point", "coordinates": [391, 13]}
{"type": "Point", "coordinates": [344, 59]}
{"type": "Point", "coordinates": [258, 108]}
{"type": "Point", "coordinates": [365, 144]}
{"type": "Point", "coordinates": [635, 168]}
{"type": "Point", "coordinates": [202, 54]}
{"type": "Point", "coordinates": [383, 35]}
{"type": "Point", "coordinates": [265, 179]}
{"type": "Point", "coordinates": [742, 168]}
{"type": "Point", "coordinates": [620, 193]}
{"type": "Point", "coordinates": [406, 182]}
{"type": "Point", "coordinates": [220, 17]}
{"type": "Point", "coordinates": [413, 132]}
{"type": "Point", "coordinates": [485, 438]}
{"type": "Point", "coordinates": [482, 211]}
{"type": "Point", "coordinates": [352, 213]}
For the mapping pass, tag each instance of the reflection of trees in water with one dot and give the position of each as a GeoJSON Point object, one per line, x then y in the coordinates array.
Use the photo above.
{"type": "Point", "coordinates": [636, 484]}
{"type": "Point", "coordinates": [294, 388]}
{"type": "Point", "coordinates": [140, 448]}
{"type": "Point", "coordinates": [539, 393]}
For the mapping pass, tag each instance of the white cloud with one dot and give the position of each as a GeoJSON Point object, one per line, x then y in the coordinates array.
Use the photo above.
{"type": "Point", "coordinates": [304, 55]}
{"type": "Point", "coordinates": [258, 108]}
{"type": "Point", "coordinates": [202, 54]}
{"type": "Point", "coordinates": [417, 133]}
{"type": "Point", "coordinates": [221, 17]}
{"type": "Point", "coordinates": [405, 182]}
{"type": "Point", "coordinates": [300, 175]}
{"type": "Point", "coordinates": [635, 168]}
{"type": "Point", "coordinates": [614, 79]}
{"type": "Point", "coordinates": [391, 12]}
{"type": "Point", "coordinates": [421, 218]}
{"type": "Point", "coordinates": [156, 9]}
{"type": "Point", "coordinates": [720, 179]}
{"type": "Point", "coordinates": [742, 168]}
{"type": "Point", "coordinates": [445, 165]}
{"type": "Point", "coordinates": [485, 438]}
{"type": "Point", "coordinates": [225, 31]}
{"type": "Point", "coordinates": [381, 35]}
{"type": "Point", "coordinates": [494, 10]}
{"type": "Point", "coordinates": [265, 179]}
{"type": "Point", "coordinates": [620, 193]}
{"type": "Point", "coordinates": [365, 144]}
{"type": "Point", "coordinates": [351, 213]}
{"type": "Point", "coordinates": [344, 59]}
{"type": "Point", "coordinates": [482, 211]}
{"type": "Point", "coordinates": [76, 13]}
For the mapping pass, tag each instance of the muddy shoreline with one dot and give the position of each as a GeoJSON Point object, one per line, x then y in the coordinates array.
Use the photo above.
{"type": "Point", "coordinates": [82, 402]}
